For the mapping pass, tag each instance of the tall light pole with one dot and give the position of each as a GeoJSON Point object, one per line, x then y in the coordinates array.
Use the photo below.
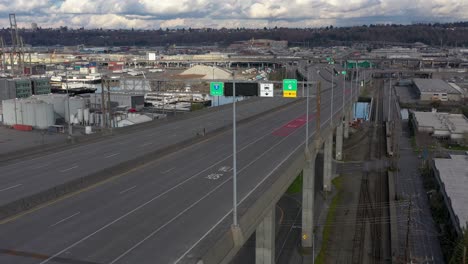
{"type": "Point", "coordinates": [307, 111]}
{"type": "Point", "coordinates": [332, 84]}
{"type": "Point", "coordinates": [213, 81]}
{"type": "Point", "coordinates": [390, 100]}
{"type": "Point", "coordinates": [357, 79]}
{"type": "Point", "coordinates": [234, 153]}
{"type": "Point", "coordinates": [344, 89]}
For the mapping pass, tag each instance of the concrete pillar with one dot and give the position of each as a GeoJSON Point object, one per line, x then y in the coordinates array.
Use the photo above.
{"type": "Point", "coordinates": [327, 162]}
{"type": "Point", "coordinates": [339, 142]}
{"type": "Point", "coordinates": [308, 194]}
{"type": "Point", "coordinates": [265, 239]}
{"type": "Point", "coordinates": [346, 126]}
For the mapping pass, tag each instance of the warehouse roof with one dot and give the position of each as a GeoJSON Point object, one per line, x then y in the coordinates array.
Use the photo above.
{"type": "Point", "coordinates": [455, 123]}
{"type": "Point", "coordinates": [434, 86]}
{"type": "Point", "coordinates": [454, 174]}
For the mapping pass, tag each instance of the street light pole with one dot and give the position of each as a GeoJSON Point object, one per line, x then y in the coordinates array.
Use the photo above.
{"type": "Point", "coordinates": [332, 83]}
{"type": "Point", "coordinates": [344, 90]}
{"type": "Point", "coordinates": [357, 79]}
{"type": "Point", "coordinates": [307, 111]}
{"type": "Point", "coordinates": [390, 100]}
{"type": "Point", "coordinates": [234, 152]}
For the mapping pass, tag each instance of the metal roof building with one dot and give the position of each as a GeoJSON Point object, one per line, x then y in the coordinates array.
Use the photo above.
{"type": "Point", "coordinates": [436, 89]}
{"type": "Point", "coordinates": [441, 125]}
{"type": "Point", "coordinates": [452, 175]}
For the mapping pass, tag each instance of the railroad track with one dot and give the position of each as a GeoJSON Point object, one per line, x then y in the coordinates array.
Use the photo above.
{"type": "Point", "coordinates": [373, 192]}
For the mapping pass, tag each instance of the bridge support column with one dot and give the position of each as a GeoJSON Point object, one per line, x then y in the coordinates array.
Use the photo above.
{"type": "Point", "coordinates": [346, 126]}
{"type": "Point", "coordinates": [327, 163]}
{"type": "Point", "coordinates": [265, 239]}
{"type": "Point", "coordinates": [339, 142]}
{"type": "Point", "coordinates": [308, 197]}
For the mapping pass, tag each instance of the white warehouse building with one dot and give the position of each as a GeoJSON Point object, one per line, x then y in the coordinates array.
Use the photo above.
{"type": "Point", "coordinates": [31, 112]}
{"type": "Point", "coordinates": [442, 125]}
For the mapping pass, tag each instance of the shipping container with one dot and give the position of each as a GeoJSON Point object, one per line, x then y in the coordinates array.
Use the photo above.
{"type": "Point", "coordinates": [23, 127]}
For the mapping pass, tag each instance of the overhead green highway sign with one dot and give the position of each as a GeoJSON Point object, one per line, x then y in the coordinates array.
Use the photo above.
{"type": "Point", "coordinates": [217, 88]}
{"type": "Point", "coordinates": [290, 88]}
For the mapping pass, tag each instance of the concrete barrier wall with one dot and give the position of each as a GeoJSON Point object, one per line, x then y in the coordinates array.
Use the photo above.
{"type": "Point", "coordinates": [88, 139]}
{"type": "Point", "coordinates": [55, 192]}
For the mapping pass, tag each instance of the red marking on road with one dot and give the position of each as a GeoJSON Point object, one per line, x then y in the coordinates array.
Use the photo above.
{"type": "Point", "coordinates": [292, 126]}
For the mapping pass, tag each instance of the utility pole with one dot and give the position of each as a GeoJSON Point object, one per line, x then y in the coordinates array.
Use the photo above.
{"type": "Point", "coordinates": [103, 105]}
{"type": "Point", "coordinates": [407, 251]}
{"type": "Point", "coordinates": [109, 105]}
{"type": "Point", "coordinates": [464, 255]}
{"type": "Point", "coordinates": [68, 106]}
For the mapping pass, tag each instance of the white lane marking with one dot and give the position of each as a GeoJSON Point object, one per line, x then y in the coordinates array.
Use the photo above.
{"type": "Point", "coordinates": [146, 203]}
{"type": "Point", "coordinates": [129, 189]}
{"type": "Point", "coordinates": [245, 197]}
{"type": "Point", "coordinates": [212, 191]}
{"type": "Point", "coordinates": [169, 170]}
{"type": "Point", "coordinates": [242, 200]}
{"type": "Point", "coordinates": [65, 219]}
{"type": "Point", "coordinates": [111, 155]}
{"type": "Point", "coordinates": [157, 197]}
{"type": "Point", "coordinates": [42, 166]}
{"type": "Point", "coordinates": [11, 187]}
{"type": "Point", "coordinates": [69, 169]}
{"type": "Point", "coordinates": [146, 144]}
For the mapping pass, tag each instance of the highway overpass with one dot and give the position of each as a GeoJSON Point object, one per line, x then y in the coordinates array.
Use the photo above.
{"type": "Point", "coordinates": [173, 207]}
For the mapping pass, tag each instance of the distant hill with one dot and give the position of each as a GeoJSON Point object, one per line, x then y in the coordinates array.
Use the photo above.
{"type": "Point", "coordinates": [453, 34]}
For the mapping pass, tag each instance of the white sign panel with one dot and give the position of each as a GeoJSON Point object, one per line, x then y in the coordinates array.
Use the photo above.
{"type": "Point", "coordinates": [266, 90]}
{"type": "Point", "coordinates": [152, 56]}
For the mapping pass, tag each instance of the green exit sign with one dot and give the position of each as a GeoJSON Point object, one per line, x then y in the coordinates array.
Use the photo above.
{"type": "Point", "coordinates": [217, 88]}
{"type": "Point", "coordinates": [290, 85]}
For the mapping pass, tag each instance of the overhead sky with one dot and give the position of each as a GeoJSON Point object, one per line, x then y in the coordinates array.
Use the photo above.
{"type": "Point", "coordinates": [151, 14]}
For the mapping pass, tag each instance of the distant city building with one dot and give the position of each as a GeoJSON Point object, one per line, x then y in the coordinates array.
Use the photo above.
{"type": "Point", "coordinates": [452, 176]}
{"type": "Point", "coordinates": [442, 125]}
{"type": "Point", "coordinates": [395, 53]}
{"type": "Point", "coordinates": [34, 26]}
{"type": "Point", "coordinates": [260, 44]}
{"type": "Point", "coordinates": [437, 89]}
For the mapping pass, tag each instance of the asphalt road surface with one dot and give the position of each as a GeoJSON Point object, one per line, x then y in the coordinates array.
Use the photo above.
{"type": "Point", "coordinates": [28, 177]}
{"type": "Point", "coordinates": [155, 213]}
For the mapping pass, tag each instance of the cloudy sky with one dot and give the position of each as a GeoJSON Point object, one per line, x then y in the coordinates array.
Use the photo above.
{"type": "Point", "coordinates": [150, 14]}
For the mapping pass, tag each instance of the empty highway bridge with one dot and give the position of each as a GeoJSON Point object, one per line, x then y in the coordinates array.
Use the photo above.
{"type": "Point", "coordinates": [164, 194]}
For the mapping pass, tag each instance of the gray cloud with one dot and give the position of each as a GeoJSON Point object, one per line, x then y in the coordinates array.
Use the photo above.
{"type": "Point", "coordinates": [234, 13]}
